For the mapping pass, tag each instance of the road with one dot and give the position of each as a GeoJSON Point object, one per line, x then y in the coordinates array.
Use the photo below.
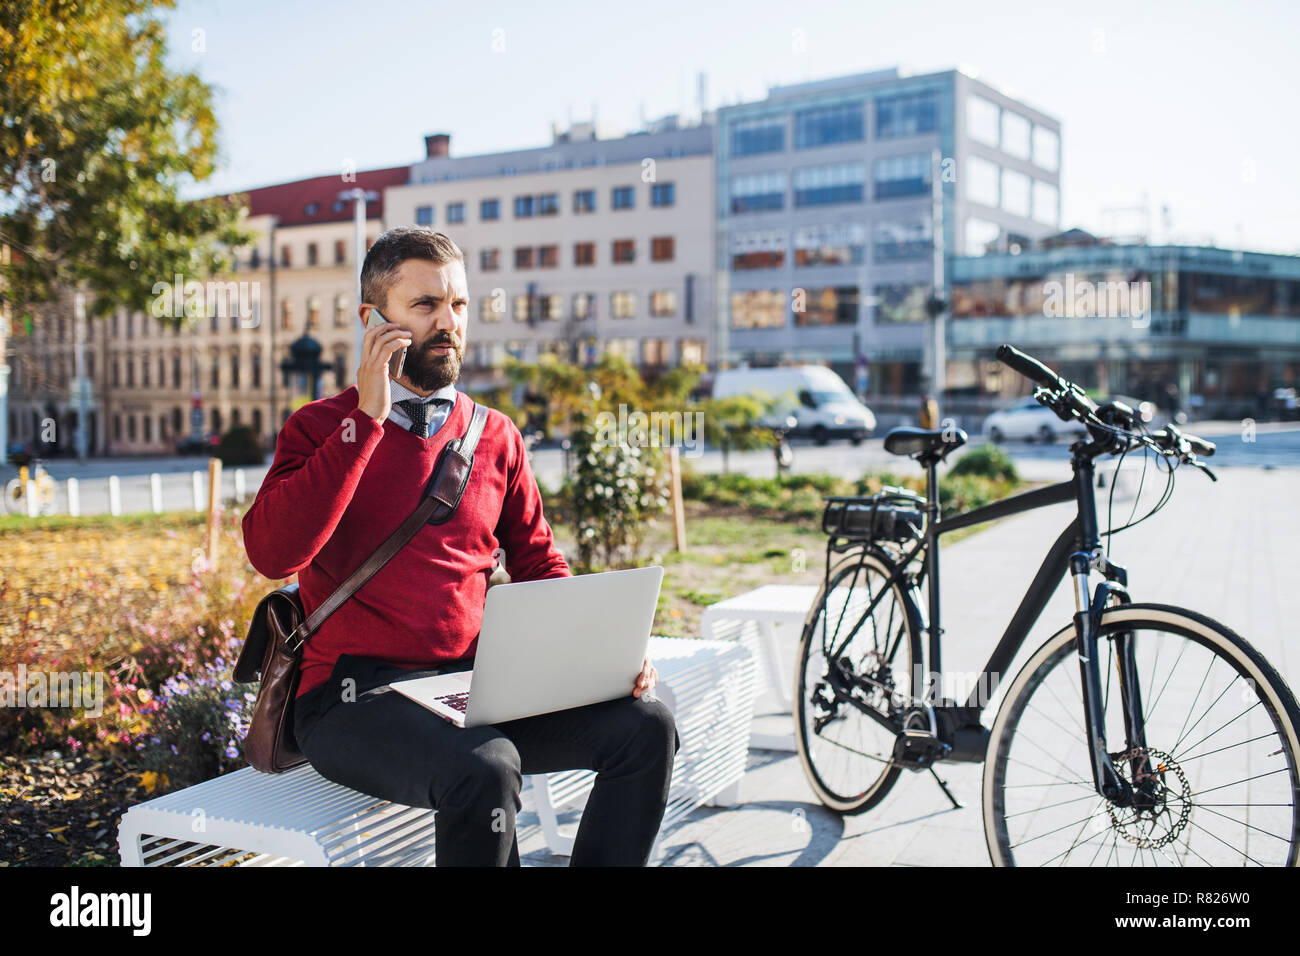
{"type": "Point", "coordinates": [1269, 446]}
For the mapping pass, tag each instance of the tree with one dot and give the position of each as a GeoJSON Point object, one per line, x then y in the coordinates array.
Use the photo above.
{"type": "Point", "coordinates": [733, 423]}
{"type": "Point", "coordinates": [97, 140]}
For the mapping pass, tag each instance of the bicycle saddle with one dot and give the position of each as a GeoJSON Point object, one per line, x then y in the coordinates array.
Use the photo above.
{"type": "Point", "coordinates": [924, 444]}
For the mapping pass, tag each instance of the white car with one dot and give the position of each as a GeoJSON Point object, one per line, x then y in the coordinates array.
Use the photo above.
{"type": "Point", "coordinates": [822, 405]}
{"type": "Point", "coordinates": [1031, 421]}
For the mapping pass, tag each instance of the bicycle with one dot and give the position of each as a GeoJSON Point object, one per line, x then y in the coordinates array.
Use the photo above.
{"type": "Point", "coordinates": [1206, 771]}
{"type": "Point", "coordinates": [16, 490]}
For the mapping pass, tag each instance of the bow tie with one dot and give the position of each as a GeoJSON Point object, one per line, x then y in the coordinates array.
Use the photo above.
{"type": "Point", "coordinates": [418, 412]}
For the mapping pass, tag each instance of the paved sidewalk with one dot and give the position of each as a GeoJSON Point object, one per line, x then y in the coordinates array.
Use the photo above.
{"type": "Point", "coordinates": [1226, 550]}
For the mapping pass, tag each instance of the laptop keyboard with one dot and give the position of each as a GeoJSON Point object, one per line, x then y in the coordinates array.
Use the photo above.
{"type": "Point", "coordinates": [455, 701]}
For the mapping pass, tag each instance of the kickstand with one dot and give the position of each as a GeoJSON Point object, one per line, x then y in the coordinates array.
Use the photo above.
{"type": "Point", "coordinates": [946, 792]}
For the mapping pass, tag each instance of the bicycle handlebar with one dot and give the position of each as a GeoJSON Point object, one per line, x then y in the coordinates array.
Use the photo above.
{"type": "Point", "coordinates": [1030, 368]}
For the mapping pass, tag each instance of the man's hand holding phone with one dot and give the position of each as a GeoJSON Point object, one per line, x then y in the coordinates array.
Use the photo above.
{"type": "Point", "coordinates": [382, 340]}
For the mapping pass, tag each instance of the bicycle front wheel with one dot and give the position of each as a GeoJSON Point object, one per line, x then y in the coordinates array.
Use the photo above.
{"type": "Point", "coordinates": [1216, 772]}
{"type": "Point", "coordinates": [847, 756]}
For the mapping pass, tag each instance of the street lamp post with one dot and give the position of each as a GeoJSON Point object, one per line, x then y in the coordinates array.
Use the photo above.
{"type": "Point", "coordinates": [359, 197]}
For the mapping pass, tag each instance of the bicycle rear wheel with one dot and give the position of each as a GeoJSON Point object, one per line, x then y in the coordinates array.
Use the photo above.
{"type": "Point", "coordinates": [1218, 770]}
{"type": "Point", "coordinates": [847, 756]}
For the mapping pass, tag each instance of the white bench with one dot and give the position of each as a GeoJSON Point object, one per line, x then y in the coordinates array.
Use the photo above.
{"type": "Point", "coordinates": [752, 619]}
{"type": "Point", "coordinates": [247, 818]}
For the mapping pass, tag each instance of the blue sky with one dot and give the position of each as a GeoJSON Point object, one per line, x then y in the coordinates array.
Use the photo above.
{"type": "Point", "coordinates": [1184, 104]}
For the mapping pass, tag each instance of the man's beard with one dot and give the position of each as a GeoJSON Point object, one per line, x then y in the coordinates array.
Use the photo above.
{"type": "Point", "coordinates": [428, 371]}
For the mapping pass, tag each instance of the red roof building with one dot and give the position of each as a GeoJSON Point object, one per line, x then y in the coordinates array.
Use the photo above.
{"type": "Point", "coordinates": [308, 201]}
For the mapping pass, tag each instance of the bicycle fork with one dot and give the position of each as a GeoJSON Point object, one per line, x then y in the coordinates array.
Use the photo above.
{"type": "Point", "coordinates": [1087, 625]}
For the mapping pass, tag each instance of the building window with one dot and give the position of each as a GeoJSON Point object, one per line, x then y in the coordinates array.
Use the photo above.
{"type": "Point", "coordinates": [758, 193]}
{"type": "Point", "coordinates": [424, 215]}
{"type": "Point", "coordinates": [584, 253]}
{"type": "Point", "coordinates": [286, 315]}
{"type": "Point", "coordinates": [982, 177]}
{"type": "Point", "coordinates": [522, 311]}
{"type": "Point", "coordinates": [552, 306]}
{"type": "Point", "coordinates": [176, 421]}
{"type": "Point", "coordinates": [130, 371]}
{"type": "Point", "coordinates": [548, 204]}
{"type": "Point", "coordinates": [455, 212]}
{"type": "Point", "coordinates": [829, 306]}
{"type": "Point", "coordinates": [981, 237]}
{"type": "Point", "coordinates": [234, 418]}
{"type": "Point", "coordinates": [655, 352]}
{"type": "Point", "coordinates": [907, 175]}
{"type": "Point", "coordinates": [623, 197]}
{"type": "Point", "coordinates": [982, 120]}
{"type": "Point", "coordinates": [489, 309]}
{"type": "Point", "coordinates": [144, 369]}
{"type": "Point", "coordinates": [489, 260]}
{"type": "Point", "coordinates": [216, 420]}
{"type": "Point", "coordinates": [548, 257]}
{"type": "Point", "coordinates": [234, 370]}
{"type": "Point", "coordinates": [311, 253]}
{"type": "Point", "coordinates": [757, 250]}
{"type": "Point", "coordinates": [584, 200]}
{"type": "Point", "coordinates": [257, 424]}
{"type": "Point", "coordinates": [663, 194]}
{"type": "Point", "coordinates": [117, 427]}
{"type": "Point", "coordinates": [757, 136]}
{"type": "Point", "coordinates": [523, 257]}
{"type": "Point", "coordinates": [340, 252]}
{"type": "Point", "coordinates": [1045, 203]}
{"type": "Point", "coordinates": [830, 245]}
{"type": "Point", "coordinates": [758, 309]}
{"type": "Point", "coordinates": [311, 209]}
{"type": "Point", "coordinates": [313, 313]}
{"type": "Point", "coordinates": [176, 371]}
{"type": "Point", "coordinates": [1015, 192]}
{"type": "Point", "coordinates": [1047, 148]}
{"type": "Point", "coordinates": [257, 370]}
{"type": "Point", "coordinates": [624, 250]}
{"type": "Point", "coordinates": [147, 421]}
{"type": "Point", "coordinates": [286, 259]}
{"type": "Point", "coordinates": [827, 125]}
{"type": "Point", "coordinates": [523, 207]}
{"type": "Point", "coordinates": [130, 427]}
{"type": "Point", "coordinates": [584, 305]}
{"type": "Point", "coordinates": [691, 351]}
{"type": "Point", "coordinates": [254, 260]}
{"type": "Point", "coordinates": [901, 240]}
{"type": "Point", "coordinates": [901, 302]}
{"type": "Point", "coordinates": [216, 370]}
{"type": "Point", "coordinates": [908, 114]}
{"type": "Point", "coordinates": [622, 305]}
{"type": "Point", "coordinates": [663, 303]}
{"type": "Point", "coordinates": [662, 249]}
{"type": "Point", "coordinates": [340, 311]}
{"type": "Point", "coordinates": [1015, 134]}
{"type": "Point", "coordinates": [489, 209]}
{"type": "Point", "coordinates": [827, 185]}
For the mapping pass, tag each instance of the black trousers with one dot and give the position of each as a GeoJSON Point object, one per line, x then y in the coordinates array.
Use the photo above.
{"type": "Point", "coordinates": [358, 731]}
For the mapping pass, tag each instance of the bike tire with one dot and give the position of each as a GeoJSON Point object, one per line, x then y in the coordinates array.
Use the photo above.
{"type": "Point", "coordinates": [1194, 629]}
{"type": "Point", "coordinates": [854, 799]}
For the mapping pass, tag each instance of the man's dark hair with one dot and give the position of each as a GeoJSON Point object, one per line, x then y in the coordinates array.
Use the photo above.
{"type": "Point", "coordinates": [392, 249]}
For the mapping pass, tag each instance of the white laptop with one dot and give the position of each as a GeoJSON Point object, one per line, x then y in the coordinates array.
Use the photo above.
{"type": "Point", "coordinates": [549, 645]}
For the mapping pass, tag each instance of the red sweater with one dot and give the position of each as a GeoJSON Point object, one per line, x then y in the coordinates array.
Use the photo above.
{"type": "Point", "coordinates": [341, 483]}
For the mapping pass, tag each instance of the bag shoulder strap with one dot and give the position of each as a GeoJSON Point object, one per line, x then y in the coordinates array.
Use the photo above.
{"type": "Point", "coordinates": [394, 543]}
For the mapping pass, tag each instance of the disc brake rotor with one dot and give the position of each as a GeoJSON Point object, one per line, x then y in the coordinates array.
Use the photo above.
{"type": "Point", "coordinates": [1162, 798]}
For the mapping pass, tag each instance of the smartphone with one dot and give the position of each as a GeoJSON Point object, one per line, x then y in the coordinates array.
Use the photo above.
{"type": "Point", "coordinates": [397, 360]}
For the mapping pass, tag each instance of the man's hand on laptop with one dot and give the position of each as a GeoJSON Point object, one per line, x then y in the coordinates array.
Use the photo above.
{"type": "Point", "coordinates": [646, 680]}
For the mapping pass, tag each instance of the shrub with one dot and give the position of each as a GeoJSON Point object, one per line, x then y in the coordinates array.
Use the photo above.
{"type": "Point", "coordinates": [616, 491]}
{"type": "Point", "coordinates": [987, 461]}
{"type": "Point", "coordinates": [240, 446]}
{"type": "Point", "coordinates": [198, 730]}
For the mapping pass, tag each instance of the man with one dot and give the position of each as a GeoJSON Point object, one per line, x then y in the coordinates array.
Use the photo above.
{"type": "Point", "coordinates": [347, 471]}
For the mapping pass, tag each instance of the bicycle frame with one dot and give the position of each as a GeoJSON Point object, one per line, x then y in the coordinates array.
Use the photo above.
{"type": "Point", "coordinates": [1076, 551]}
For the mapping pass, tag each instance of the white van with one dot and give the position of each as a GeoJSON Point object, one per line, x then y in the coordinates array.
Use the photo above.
{"type": "Point", "coordinates": [821, 404]}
